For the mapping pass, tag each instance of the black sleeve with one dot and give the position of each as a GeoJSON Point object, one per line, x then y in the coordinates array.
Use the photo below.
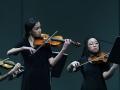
{"type": "Point", "coordinates": [20, 74]}
{"type": "Point", "coordinates": [18, 45]}
{"type": "Point", "coordinates": [105, 67]}
{"type": "Point", "coordinates": [0, 73]}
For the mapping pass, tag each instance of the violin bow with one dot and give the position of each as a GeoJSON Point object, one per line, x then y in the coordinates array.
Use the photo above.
{"type": "Point", "coordinates": [46, 41]}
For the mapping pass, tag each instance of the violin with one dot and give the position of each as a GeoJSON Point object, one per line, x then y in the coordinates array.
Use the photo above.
{"type": "Point", "coordinates": [55, 41]}
{"type": "Point", "coordinates": [100, 58]}
{"type": "Point", "coordinates": [8, 64]}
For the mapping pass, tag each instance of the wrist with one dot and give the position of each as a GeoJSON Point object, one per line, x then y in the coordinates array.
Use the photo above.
{"type": "Point", "coordinates": [63, 50]}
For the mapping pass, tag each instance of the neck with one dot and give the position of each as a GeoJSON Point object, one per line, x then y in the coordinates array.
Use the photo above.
{"type": "Point", "coordinates": [31, 39]}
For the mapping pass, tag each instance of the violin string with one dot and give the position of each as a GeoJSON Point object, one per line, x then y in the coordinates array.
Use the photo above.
{"type": "Point", "coordinates": [58, 39]}
{"type": "Point", "coordinates": [46, 41]}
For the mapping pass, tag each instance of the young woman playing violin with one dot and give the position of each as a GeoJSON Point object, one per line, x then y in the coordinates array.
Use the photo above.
{"type": "Point", "coordinates": [94, 74]}
{"type": "Point", "coordinates": [10, 73]}
{"type": "Point", "coordinates": [36, 75]}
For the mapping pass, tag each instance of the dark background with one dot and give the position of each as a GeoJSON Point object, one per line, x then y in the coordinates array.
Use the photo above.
{"type": "Point", "coordinates": [74, 19]}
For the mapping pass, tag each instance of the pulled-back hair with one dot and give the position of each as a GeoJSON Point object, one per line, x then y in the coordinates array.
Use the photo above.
{"type": "Point", "coordinates": [29, 24]}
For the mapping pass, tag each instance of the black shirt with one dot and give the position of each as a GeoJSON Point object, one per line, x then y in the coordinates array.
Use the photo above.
{"type": "Point", "coordinates": [93, 76]}
{"type": "Point", "coordinates": [36, 74]}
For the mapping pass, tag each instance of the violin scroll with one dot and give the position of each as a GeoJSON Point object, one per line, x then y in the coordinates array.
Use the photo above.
{"type": "Point", "coordinates": [76, 44]}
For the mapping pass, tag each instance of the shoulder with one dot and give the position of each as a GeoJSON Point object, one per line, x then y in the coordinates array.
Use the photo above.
{"type": "Point", "coordinates": [105, 66]}
{"type": "Point", "coordinates": [23, 42]}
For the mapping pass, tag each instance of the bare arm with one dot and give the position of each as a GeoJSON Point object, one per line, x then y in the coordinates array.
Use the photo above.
{"type": "Point", "coordinates": [2, 77]}
{"type": "Point", "coordinates": [17, 73]}
{"type": "Point", "coordinates": [11, 77]}
{"type": "Point", "coordinates": [16, 50]}
{"type": "Point", "coordinates": [53, 61]}
{"type": "Point", "coordinates": [110, 73]}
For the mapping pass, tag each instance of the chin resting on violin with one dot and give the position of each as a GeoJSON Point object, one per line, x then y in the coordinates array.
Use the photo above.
{"type": "Point", "coordinates": [96, 73]}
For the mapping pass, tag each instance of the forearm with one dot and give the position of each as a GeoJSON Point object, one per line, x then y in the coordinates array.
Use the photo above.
{"type": "Point", "coordinates": [14, 50]}
{"type": "Point", "coordinates": [17, 74]}
{"type": "Point", "coordinates": [2, 77]}
{"type": "Point", "coordinates": [109, 74]}
{"type": "Point", "coordinates": [54, 60]}
{"type": "Point", "coordinates": [11, 77]}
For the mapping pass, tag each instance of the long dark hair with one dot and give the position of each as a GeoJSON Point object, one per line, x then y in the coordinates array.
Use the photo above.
{"type": "Point", "coordinates": [86, 52]}
{"type": "Point", "coordinates": [29, 24]}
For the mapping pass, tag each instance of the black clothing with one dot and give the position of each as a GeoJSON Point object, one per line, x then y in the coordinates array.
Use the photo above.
{"type": "Point", "coordinates": [36, 75]}
{"type": "Point", "coordinates": [56, 70]}
{"type": "Point", "coordinates": [93, 76]}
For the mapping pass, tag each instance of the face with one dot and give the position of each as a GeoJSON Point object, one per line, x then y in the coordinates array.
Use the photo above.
{"type": "Point", "coordinates": [93, 45]}
{"type": "Point", "coordinates": [36, 31]}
